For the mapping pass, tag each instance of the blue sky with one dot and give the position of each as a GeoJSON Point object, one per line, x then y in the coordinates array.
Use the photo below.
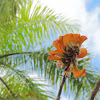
{"type": "Point", "coordinates": [92, 4]}
{"type": "Point", "coordinates": [88, 14]}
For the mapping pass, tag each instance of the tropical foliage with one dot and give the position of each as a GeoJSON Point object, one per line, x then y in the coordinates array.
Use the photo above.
{"type": "Point", "coordinates": [25, 27]}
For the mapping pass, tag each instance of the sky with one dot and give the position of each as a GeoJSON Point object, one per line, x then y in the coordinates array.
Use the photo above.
{"type": "Point", "coordinates": [88, 14]}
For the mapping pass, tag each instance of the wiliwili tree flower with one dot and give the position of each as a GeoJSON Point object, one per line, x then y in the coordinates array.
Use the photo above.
{"type": "Point", "coordinates": [68, 50]}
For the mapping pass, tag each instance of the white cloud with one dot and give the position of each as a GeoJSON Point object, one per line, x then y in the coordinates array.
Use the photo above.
{"type": "Point", "coordinates": [76, 9]}
{"type": "Point", "coordinates": [64, 98]}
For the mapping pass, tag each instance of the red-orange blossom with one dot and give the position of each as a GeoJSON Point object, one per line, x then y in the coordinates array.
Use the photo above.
{"type": "Point", "coordinates": [68, 50]}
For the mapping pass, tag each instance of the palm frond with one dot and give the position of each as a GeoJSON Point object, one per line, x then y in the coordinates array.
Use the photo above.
{"type": "Point", "coordinates": [38, 62]}
{"type": "Point", "coordinates": [32, 27]}
{"type": "Point", "coordinates": [80, 87]}
{"type": "Point", "coordinates": [9, 9]}
{"type": "Point", "coordinates": [27, 29]}
{"type": "Point", "coordinates": [17, 80]}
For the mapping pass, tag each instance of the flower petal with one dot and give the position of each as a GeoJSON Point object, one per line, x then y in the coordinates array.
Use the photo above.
{"type": "Point", "coordinates": [83, 53]}
{"type": "Point", "coordinates": [56, 44]}
{"type": "Point", "coordinates": [53, 57]}
{"type": "Point", "coordinates": [61, 43]}
{"type": "Point", "coordinates": [82, 39]}
{"type": "Point", "coordinates": [78, 73]}
{"type": "Point", "coordinates": [56, 52]}
{"type": "Point", "coordinates": [76, 38]}
{"type": "Point", "coordinates": [84, 74]}
{"type": "Point", "coordinates": [67, 38]}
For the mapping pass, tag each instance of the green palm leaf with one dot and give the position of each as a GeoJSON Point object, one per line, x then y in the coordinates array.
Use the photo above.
{"type": "Point", "coordinates": [32, 28]}
{"type": "Point", "coordinates": [25, 27]}
{"type": "Point", "coordinates": [21, 85]}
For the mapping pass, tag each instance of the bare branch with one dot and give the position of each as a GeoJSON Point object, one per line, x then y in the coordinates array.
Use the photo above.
{"type": "Point", "coordinates": [61, 86]}
{"type": "Point", "coordinates": [95, 90]}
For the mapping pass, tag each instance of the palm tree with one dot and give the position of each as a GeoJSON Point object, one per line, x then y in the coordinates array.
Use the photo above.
{"type": "Point", "coordinates": [24, 29]}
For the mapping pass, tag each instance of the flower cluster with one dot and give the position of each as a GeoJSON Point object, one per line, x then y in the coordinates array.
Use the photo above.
{"type": "Point", "coordinates": [68, 50]}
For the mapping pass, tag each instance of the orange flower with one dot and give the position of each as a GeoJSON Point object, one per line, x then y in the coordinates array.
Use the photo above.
{"type": "Point", "coordinates": [68, 50]}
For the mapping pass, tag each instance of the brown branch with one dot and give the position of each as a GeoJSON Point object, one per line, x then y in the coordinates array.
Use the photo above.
{"type": "Point", "coordinates": [7, 87]}
{"type": "Point", "coordinates": [61, 86]}
{"type": "Point", "coordinates": [95, 90]}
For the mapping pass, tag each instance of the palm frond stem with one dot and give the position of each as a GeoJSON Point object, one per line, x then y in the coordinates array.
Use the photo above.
{"type": "Point", "coordinates": [7, 87]}
{"type": "Point", "coordinates": [15, 53]}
